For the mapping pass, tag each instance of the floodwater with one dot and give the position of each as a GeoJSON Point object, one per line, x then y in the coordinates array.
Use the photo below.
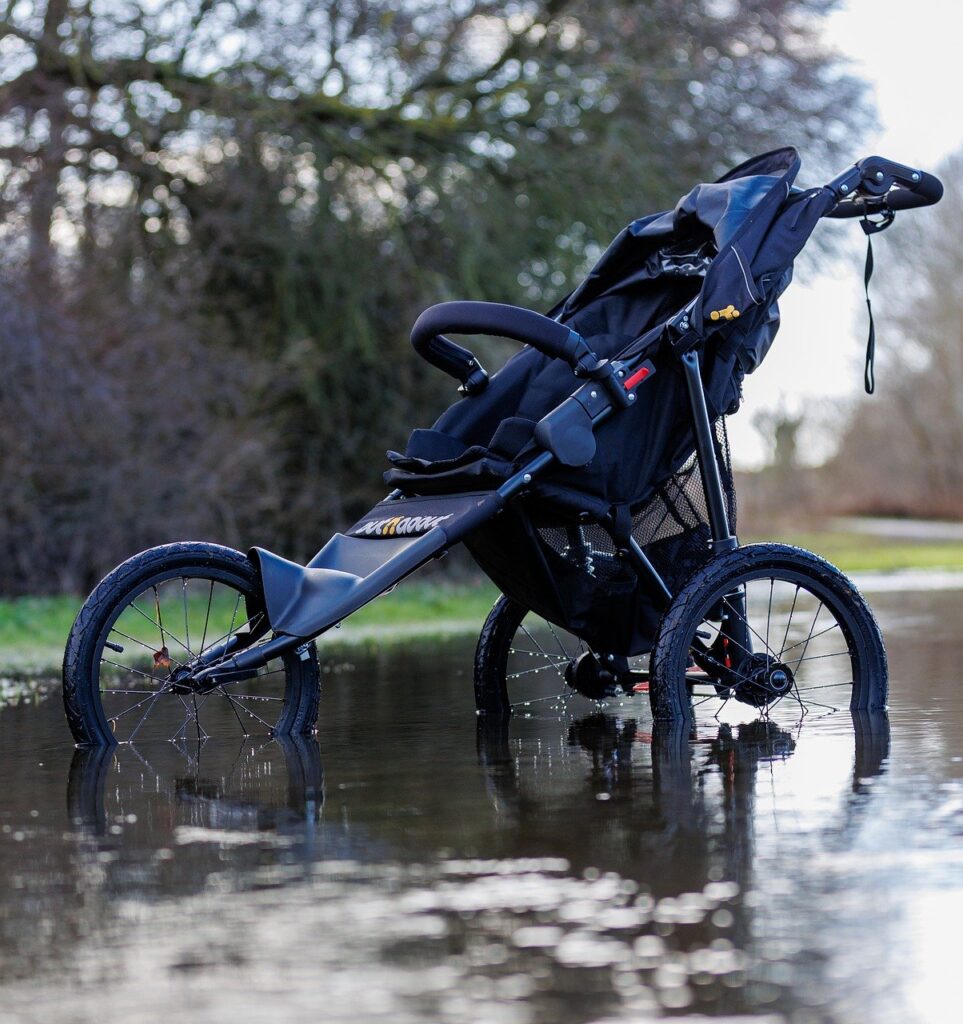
{"type": "Point", "coordinates": [577, 866]}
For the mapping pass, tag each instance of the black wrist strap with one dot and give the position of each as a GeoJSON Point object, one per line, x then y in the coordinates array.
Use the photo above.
{"type": "Point", "coordinates": [870, 228]}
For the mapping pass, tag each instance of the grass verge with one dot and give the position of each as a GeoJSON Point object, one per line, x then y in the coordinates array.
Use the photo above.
{"type": "Point", "coordinates": [33, 629]}
{"type": "Point", "coordinates": [856, 552]}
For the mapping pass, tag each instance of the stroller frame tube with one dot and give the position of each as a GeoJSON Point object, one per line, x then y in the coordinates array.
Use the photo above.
{"type": "Point", "coordinates": [428, 545]}
{"type": "Point", "coordinates": [722, 537]}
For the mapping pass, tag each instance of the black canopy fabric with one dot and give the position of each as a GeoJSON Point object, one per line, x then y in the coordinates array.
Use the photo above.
{"type": "Point", "coordinates": [727, 245]}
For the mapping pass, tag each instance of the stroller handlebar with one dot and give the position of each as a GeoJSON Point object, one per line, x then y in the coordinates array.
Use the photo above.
{"type": "Point", "coordinates": [878, 185]}
{"type": "Point", "coordinates": [874, 185]}
{"type": "Point", "coordinates": [542, 333]}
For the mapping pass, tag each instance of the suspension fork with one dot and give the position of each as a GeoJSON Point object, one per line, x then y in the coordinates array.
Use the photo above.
{"type": "Point", "coordinates": [734, 626]}
{"type": "Point", "coordinates": [722, 537]}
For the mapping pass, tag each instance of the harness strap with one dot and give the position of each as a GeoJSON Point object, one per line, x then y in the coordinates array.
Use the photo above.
{"type": "Point", "coordinates": [870, 228]}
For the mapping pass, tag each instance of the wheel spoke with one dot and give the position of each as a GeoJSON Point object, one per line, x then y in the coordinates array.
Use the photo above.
{"type": "Point", "coordinates": [160, 621]}
{"type": "Point", "coordinates": [134, 640]}
{"type": "Point", "coordinates": [187, 628]}
{"type": "Point", "coordinates": [531, 671]}
{"type": "Point", "coordinates": [782, 648]}
{"type": "Point", "coordinates": [816, 657]}
{"type": "Point", "coordinates": [809, 638]}
{"type": "Point", "coordinates": [207, 616]}
{"type": "Point", "coordinates": [731, 671]}
{"type": "Point", "coordinates": [816, 704]}
{"type": "Point", "coordinates": [551, 628]}
{"type": "Point", "coordinates": [772, 584]}
{"type": "Point", "coordinates": [542, 649]}
{"type": "Point", "coordinates": [248, 696]}
{"type": "Point", "coordinates": [150, 708]}
{"type": "Point", "coordinates": [150, 693]}
{"type": "Point", "coordinates": [745, 618]}
{"type": "Point", "coordinates": [133, 671]}
{"type": "Point", "coordinates": [234, 709]}
{"type": "Point", "coordinates": [814, 636]}
{"type": "Point", "coordinates": [539, 654]}
{"type": "Point", "coordinates": [146, 699]}
{"type": "Point", "coordinates": [538, 700]}
{"type": "Point", "coordinates": [250, 623]}
{"type": "Point", "coordinates": [140, 611]}
{"type": "Point", "coordinates": [248, 711]}
{"type": "Point", "coordinates": [134, 707]}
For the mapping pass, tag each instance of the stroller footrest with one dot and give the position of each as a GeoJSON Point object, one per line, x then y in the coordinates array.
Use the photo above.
{"type": "Point", "coordinates": [306, 600]}
{"type": "Point", "coordinates": [351, 570]}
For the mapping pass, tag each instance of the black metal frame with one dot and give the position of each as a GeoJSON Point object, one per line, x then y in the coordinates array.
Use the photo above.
{"type": "Point", "coordinates": [594, 406]}
{"type": "Point", "coordinates": [566, 434]}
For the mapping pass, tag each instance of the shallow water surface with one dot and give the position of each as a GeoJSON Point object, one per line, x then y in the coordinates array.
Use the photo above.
{"type": "Point", "coordinates": [577, 865]}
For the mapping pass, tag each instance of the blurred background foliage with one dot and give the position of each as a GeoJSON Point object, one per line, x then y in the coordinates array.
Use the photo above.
{"type": "Point", "coordinates": [220, 217]}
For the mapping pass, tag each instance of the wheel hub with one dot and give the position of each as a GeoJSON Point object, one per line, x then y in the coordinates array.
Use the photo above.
{"type": "Point", "coordinates": [762, 680]}
{"type": "Point", "coordinates": [591, 678]}
{"type": "Point", "coordinates": [185, 681]}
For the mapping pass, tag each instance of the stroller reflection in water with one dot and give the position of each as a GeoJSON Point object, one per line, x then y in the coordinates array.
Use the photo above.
{"type": "Point", "coordinates": [237, 792]}
{"type": "Point", "coordinates": [672, 787]}
{"type": "Point", "coordinates": [664, 804]}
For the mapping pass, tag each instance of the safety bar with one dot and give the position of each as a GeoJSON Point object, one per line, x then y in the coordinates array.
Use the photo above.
{"type": "Point", "coordinates": [875, 185]}
{"type": "Point", "coordinates": [542, 333]}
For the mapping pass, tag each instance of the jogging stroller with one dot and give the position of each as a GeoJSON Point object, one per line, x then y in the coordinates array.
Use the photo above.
{"type": "Point", "coordinates": [589, 478]}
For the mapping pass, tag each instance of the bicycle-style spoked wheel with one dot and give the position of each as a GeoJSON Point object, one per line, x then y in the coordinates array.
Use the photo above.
{"type": "Point", "coordinates": [768, 624]}
{"type": "Point", "coordinates": [127, 666]}
{"type": "Point", "coordinates": [525, 664]}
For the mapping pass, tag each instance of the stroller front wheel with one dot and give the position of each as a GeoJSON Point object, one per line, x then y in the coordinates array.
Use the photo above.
{"type": "Point", "coordinates": [768, 623]}
{"type": "Point", "coordinates": [130, 656]}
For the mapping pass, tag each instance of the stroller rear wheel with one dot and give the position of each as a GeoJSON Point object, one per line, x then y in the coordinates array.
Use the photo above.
{"type": "Point", "coordinates": [523, 662]}
{"type": "Point", "coordinates": [768, 623]}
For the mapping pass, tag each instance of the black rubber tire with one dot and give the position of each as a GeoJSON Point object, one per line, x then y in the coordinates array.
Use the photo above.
{"type": "Point", "coordinates": [85, 644]}
{"type": "Point", "coordinates": [491, 657]}
{"type": "Point", "coordinates": [668, 693]}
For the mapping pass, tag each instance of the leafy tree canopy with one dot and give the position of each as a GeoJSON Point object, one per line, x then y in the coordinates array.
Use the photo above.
{"type": "Point", "coordinates": [292, 182]}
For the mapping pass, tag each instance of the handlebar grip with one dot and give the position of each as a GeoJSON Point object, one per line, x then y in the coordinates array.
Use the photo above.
{"type": "Point", "coordinates": [870, 187]}
{"type": "Point", "coordinates": [451, 358]}
{"type": "Point", "coordinates": [494, 318]}
{"type": "Point", "coordinates": [925, 192]}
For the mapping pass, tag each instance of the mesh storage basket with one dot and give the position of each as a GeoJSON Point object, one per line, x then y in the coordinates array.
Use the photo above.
{"type": "Point", "coordinates": [672, 526]}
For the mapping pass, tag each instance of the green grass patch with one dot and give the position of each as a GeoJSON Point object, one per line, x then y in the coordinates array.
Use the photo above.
{"type": "Point", "coordinates": [855, 552]}
{"type": "Point", "coordinates": [32, 624]}
{"type": "Point", "coordinates": [33, 630]}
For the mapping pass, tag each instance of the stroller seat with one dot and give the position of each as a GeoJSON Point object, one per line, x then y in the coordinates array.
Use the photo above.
{"type": "Point", "coordinates": [655, 270]}
{"type": "Point", "coordinates": [436, 462]}
{"type": "Point", "coordinates": [721, 257]}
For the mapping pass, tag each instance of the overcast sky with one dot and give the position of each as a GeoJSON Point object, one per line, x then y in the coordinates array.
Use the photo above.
{"type": "Point", "coordinates": [910, 53]}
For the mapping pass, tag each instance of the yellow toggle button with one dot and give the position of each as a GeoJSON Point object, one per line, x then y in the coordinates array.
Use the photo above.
{"type": "Point", "coordinates": [729, 313]}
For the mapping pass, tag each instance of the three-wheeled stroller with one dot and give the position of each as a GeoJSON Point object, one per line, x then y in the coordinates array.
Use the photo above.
{"type": "Point", "coordinates": [590, 480]}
